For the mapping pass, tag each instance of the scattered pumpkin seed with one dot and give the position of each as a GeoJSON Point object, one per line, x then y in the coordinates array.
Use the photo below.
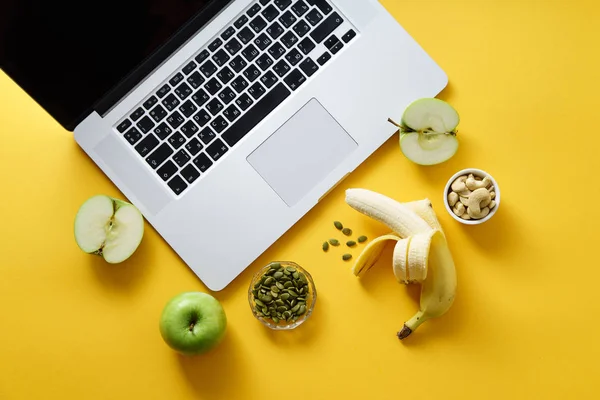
{"type": "Point", "coordinates": [338, 225]}
{"type": "Point", "coordinates": [350, 243]}
{"type": "Point", "coordinates": [334, 242]}
{"type": "Point", "coordinates": [362, 239]}
{"type": "Point", "coordinates": [347, 231]}
{"type": "Point", "coordinates": [325, 246]}
{"type": "Point", "coordinates": [346, 257]}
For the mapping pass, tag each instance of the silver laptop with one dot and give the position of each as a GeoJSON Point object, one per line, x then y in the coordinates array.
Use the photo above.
{"type": "Point", "coordinates": [223, 121]}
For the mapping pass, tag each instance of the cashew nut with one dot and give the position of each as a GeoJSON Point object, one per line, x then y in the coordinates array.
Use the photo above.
{"type": "Point", "coordinates": [477, 201]}
{"type": "Point", "coordinates": [452, 198]}
{"type": "Point", "coordinates": [492, 205]}
{"type": "Point", "coordinates": [493, 194]}
{"type": "Point", "coordinates": [459, 184]}
{"type": "Point", "coordinates": [465, 216]}
{"type": "Point", "coordinates": [459, 209]}
{"type": "Point", "coordinates": [482, 214]}
{"type": "Point", "coordinates": [473, 184]}
{"type": "Point", "coordinates": [464, 200]}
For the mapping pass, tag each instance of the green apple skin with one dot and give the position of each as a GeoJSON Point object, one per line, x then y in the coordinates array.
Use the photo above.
{"type": "Point", "coordinates": [193, 323]}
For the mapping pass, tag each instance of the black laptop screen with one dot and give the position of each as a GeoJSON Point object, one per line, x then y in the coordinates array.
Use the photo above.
{"type": "Point", "coordinates": [69, 54]}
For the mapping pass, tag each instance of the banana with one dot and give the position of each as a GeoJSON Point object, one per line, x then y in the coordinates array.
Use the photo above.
{"type": "Point", "coordinates": [421, 253]}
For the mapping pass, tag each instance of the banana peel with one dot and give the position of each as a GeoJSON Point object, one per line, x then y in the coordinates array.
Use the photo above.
{"type": "Point", "coordinates": [421, 254]}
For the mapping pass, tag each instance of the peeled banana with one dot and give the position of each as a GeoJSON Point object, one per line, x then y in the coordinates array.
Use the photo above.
{"type": "Point", "coordinates": [421, 254]}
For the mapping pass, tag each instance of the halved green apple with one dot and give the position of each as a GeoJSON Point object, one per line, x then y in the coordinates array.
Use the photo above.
{"type": "Point", "coordinates": [109, 228]}
{"type": "Point", "coordinates": [428, 131]}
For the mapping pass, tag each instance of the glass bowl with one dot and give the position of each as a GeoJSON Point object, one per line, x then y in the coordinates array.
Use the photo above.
{"type": "Point", "coordinates": [310, 298]}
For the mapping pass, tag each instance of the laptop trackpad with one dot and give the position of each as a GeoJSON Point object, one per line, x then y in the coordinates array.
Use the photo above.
{"type": "Point", "coordinates": [302, 152]}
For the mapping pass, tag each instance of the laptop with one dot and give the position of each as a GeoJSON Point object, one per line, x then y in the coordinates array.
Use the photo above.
{"type": "Point", "coordinates": [223, 121]}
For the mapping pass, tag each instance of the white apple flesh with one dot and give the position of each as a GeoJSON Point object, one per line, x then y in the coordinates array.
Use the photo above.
{"type": "Point", "coordinates": [109, 228]}
{"type": "Point", "coordinates": [427, 132]}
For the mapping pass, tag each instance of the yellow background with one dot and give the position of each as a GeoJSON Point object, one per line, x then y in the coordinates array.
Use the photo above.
{"type": "Point", "coordinates": [524, 77]}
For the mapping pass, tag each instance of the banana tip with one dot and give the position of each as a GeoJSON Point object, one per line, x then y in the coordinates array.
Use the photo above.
{"type": "Point", "coordinates": [404, 332]}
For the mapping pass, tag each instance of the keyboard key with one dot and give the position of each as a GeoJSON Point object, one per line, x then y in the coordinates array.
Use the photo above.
{"type": "Point", "coordinates": [256, 91]}
{"type": "Point", "coordinates": [147, 145]}
{"type": "Point", "coordinates": [213, 86]}
{"type": "Point", "coordinates": [190, 173]}
{"type": "Point", "coordinates": [189, 129]}
{"type": "Point", "coordinates": [309, 67]}
{"type": "Point", "coordinates": [167, 170]}
{"type": "Point", "coordinates": [256, 114]}
{"type": "Point", "coordinates": [287, 19]}
{"type": "Point", "coordinates": [191, 66]}
{"type": "Point", "coordinates": [314, 17]}
{"type": "Point", "coordinates": [229, 32]}
{"type": "Point", "coordinates": [133, 135]}
{"type": "Point", "coordinates": [322, 5]}
{"type": "Point", "coordinates": [219, 124]}
{"type": "Point", "coordinates": [275, 30]}
{"type": "Point", "coordinates": [252, 73]}
{"type": "Point", "coordinates": [206, 135]}
{"type": "Point", "coordinates": [241, 21]}
{"type": "Point", "coordinates": [300, 8]}
{"type": "Point", "coordinates": [221, 57]}
{"type": "Point", "coordinates": [281, 68]}
{"type": "Point", "coordinates": [163, 131]}
{"type": "Point", "coordinates": [227, 95]}
{"type": "Point", "coordinates": [177, 185]}
{"type": "Point", "coordinates": [238, 64]}
{"type": "Point", "coordinates": [176, 79]}
{"type": "Point", "coordinates": [327, 27]}
{"type": "Point", "coordinates": [208, 68]}
{"type": "Point", "coordinates": [324, 58]}
{"type": "Point", "coordinates": [244, 102]}
{"type": "Point", "coordinates": [295, 79]}
{"type": "Point", "coordinates": [250, 52]}
{"type": "Point", "coordinates": [215, 45]}
{"type": "Point", "coordinates": [258, 24]}
{"type": "Point", "coordinates": [233, 46]}
{"type": "Point", "coordinates": [270, 13]}
{"type": "Point", "coordinates": [301, 28]}
{"type": "Point", "coordinates": [137, 114]}
{"type": "Point", "coordinates": [337, 47]}
{"type": "Point", "coordinates": [349, 36]}
{"type": "Point", "coordinates": [245, 35]}
{"type": "Point", "coordinates": [289, 39]}
{"type": "Point", "coordinates": [181, 158]}
{"type": "Point", "coordinates": [283, 4]}
{"type": "Point", "coordinates": [262, 41]}
{"type": "Point", "coordinates": [214, 106]}
{"type": "Point", "coordinates": [177, 140]}
{"type": "Point", "coordinates": [196, 80]}
{"type": "Point", "coordinates": [231, 113]}
{"type": "Point", "coordinates": [268, 79]}
{"type": "Point", "coordinates": [148, 104]}
{"type": "Point", "coordinates": [202, 117]}
{"type": "Point", "coordinates": [225, 75]}
{"type": "Point", "coordinates": [264, 62]}
{"type": "Point", "coordinates": [159, 155]}
{"type": "Point", "coordinates": [239, 84]}
{"type": "Point", "coordinates": [158, 113]}
{"type": "Point", "coordinates": [277, 51]}
{"type": "Point", "coordinates": [175, 120]}
{"type": "Point", "coordinates": [122, 127]}
{"type": "Point", "coordinates": [200, 58]}
{"type": "Point", "coordinates": [329, 43]}
{"type": "Point", "coordinates": [162, 92]}
{"type": "Point", "coordinates": [145, 124]}
{"type": "Point", "coordinates": [183, 91]}
{"type": "Point", "coordinates": [306, 46]}
{"type": "Point", "coordinates": [217, 150]}
{"type": "Point", "coordinates": [253, 10]}
{"type": "Point", "coordinates": [203, 162]}
{"type": "Point", "coordinates": [294, 57]}
{"type": "Point", "coordinates": [265, 2]}
{"type": "Point", "coordinates": [200, 97]}
{"type": "Point", "coordinates": [194, 146]}
{"type": "Point", "coordinates": [170, 102]}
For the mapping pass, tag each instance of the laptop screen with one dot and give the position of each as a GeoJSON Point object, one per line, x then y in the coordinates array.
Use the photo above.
{"type": "Point", "coordinates": [69, 54]}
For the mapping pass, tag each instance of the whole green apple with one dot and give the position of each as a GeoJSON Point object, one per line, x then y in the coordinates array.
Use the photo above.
{"type": "Point", "coordinates": [193, 323]}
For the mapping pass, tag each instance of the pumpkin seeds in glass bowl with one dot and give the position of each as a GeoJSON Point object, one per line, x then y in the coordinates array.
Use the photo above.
{"type": "Point", "coordinates": [282, 295]}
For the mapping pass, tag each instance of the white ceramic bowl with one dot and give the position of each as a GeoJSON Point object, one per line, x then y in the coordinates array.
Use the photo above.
{"type": "Point", "coordinates": [482, 174]}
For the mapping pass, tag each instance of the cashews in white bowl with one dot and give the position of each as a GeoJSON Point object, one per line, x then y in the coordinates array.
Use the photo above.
{"type": "Point", "coordinates": [472, 196]}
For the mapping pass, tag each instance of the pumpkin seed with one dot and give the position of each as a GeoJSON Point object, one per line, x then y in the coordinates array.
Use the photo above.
{"type": "Point", "coordinates": [293, 302]}
{"type": "Point", "coordinates": [346, 257]}
{"type": "Point", "coordinates": [277, 275]}
{"type": "Point", "coordinates": [338, 225]}
{"type": "Point", "coordinates": [269, 281]}
{"type": "Point", "coordinates": [301, 290]}
{"type": "Point", "coordinates": [301, 299]}
{"type": "Point", "coordinates": [295, 308]}
{"type": "Point", "coordinates": [276, 320]}
{"type": "Point", "coordinates": [284, 296]}
{"type": "Point", "coordinates": [293, 294]}
{"type": "Point", "coordinates": [257, 285]}
{"type": "Point", "coordinates": [266, 298]}
{"type": "Point", "coordinates": [325, 246]}
{"type": "Point", "coordinates": [291, 269]}
{"type": "Point", "coordinates": [274, 295]}
{"type": "Point", "coordinates": [284, 279]}
{"type": "Point", "coordinates": [279, 286]}
{"type": "Point", "coordinates": [334, 242]}
{"type": "Point", "coordinates": [259, 303]}
{"type": "Point", "coordinates": [279, 302]}
{"type": "Point", "coordinates": [276, 265]}
{"type": "Point", "coordinates": [271, 271]}
{"type": "Point", "coordinates": [288, 284]}
{"type": "Point", "coordinates": [286, 272]}
{"type": "Point", "coordinates": [303, 279]}
{"type": "Point", "coordinates": [296, 275]}
{"type": "Point", "coordinates": [287, 314]}
{"type": "Point", "coordinates": [347, 231]}
{"type": "Point", "coordinates": [259, 314]}
{"type": "Point", "coordinates": [282, 308]}
{"type": "Point", "coordinates": [301, 310]}
{"type": "Point", "coordinates": [362, 239]}
{"type": "Point", "coordinates": [350, 243]}
{"type": "Point", "coordinates": [275, 289]}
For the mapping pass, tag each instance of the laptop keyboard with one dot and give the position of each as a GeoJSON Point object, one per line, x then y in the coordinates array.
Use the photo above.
{"type": "Point", "coordinates": [216, 98]}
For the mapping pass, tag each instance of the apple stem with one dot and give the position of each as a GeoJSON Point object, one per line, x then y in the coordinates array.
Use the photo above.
{"type": "Point", "coordinates": [192, 327]}
{"type": "Point", "coordinates": [391, 121]}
